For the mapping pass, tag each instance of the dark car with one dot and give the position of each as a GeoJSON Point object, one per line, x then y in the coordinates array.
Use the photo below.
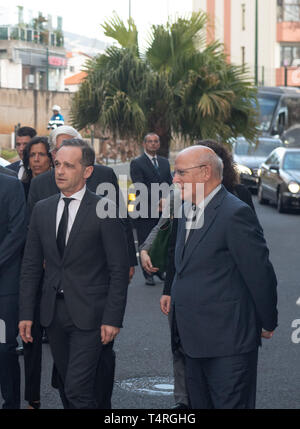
{"type": "Point", "coordinates": [280, 179]}
{"type": "Point", "coordinates": [249, 156]}
{"type": "Point", "coordinates": [291, 137]}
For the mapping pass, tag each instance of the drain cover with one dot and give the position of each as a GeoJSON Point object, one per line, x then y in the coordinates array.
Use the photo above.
{"type": "Point", "coordinates": [160, 386]}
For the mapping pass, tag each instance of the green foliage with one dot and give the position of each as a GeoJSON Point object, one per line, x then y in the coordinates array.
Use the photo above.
{"type": "Point", "coordinates": [179, 85]}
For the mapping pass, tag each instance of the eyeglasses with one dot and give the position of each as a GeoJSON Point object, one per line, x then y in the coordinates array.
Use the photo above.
{"type": "Point", "coordinates": [182, 172]}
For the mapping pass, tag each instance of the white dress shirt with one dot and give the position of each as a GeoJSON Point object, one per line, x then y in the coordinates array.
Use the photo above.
{"type": "Point", "coordinates": [21, 170]}
{"type": "Point", "coordinates": [73, 209]}
{"type": "Point", "coordinates": [197, 223]}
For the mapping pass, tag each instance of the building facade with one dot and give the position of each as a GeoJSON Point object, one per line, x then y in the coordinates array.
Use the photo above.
{"type": "Point", "coordinates": [233, 22]}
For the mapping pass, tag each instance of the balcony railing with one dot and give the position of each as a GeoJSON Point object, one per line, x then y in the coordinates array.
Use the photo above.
{"type": "Point", "coordinates": [42, 37]}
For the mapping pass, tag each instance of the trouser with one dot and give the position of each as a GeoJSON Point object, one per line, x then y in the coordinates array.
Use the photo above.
{"type": "Point", "coordinates": [9, 363]}
{"type": "Point", "coordinates": [104, 382]}
{"type": "Point", "coordinates": [222, 382]}
{"type": "Point", "coordinates": [76, 355]}
{"type": "Point", "coordinates": [33, 360]}
{"type": "Point", "coordinates": [143, 228]}
{"type": "Point", "coordinates": [180, 390]}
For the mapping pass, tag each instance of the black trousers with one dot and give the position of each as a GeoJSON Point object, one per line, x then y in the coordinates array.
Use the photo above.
{"type": "Point", "coordinates": [9, 363]}
{"type": "Point", "coordinates": [222, 382]}
{"type": "Point", "coordinates": [104, 381]}
{"type": "Point", "coordinates": [76, 355]}
{"type": "Point", "coordinates": [33, 360]}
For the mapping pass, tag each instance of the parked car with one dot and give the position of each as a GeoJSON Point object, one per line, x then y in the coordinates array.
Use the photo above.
{"type": "Point", "coordinates": [3, 162]}
{"type": "Point", "coordinates": [279, 180]}
{"type": "Point", "coordinates": [291, 137]}
{"type": "Point", "coordinates": [248, 157]}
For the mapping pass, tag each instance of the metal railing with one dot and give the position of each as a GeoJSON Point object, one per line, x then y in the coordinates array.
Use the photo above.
{"type": "Point", "coordinates": [42, 37]}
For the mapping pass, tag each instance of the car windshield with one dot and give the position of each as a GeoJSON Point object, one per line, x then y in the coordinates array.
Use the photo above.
{"type": "Point", "coordinates": [267, 106]}
{"type": "Point", "coordinates": [292, 161]}
{"type": "Point", "coordinates": [263, 148]}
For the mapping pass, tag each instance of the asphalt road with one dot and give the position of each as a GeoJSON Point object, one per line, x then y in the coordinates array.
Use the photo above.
{"type": "Point", "coordinates": [143, 347]}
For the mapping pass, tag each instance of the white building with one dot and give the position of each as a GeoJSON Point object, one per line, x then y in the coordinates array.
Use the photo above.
{"type": "Point", "coordinates": [233, 22]}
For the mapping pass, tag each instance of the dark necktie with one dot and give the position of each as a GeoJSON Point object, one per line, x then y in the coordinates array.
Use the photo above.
{"type": "Point", "coordinates": [62, 228]}
{"type": "Point", "coordinates": [155, 163]}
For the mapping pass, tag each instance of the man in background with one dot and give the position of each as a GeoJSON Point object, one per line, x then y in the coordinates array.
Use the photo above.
{"type": "Point", "coordinates": [23, 137]}
{"type": "Point", "coordinates": [12, 238]}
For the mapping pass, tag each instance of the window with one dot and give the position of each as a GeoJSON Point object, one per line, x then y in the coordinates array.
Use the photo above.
{"type": "Point", "coordinates": [288, 10]}
{"type": "Point", "coordinates": [243, 17]}
{"type": "Point", "coordinates": [243, 50]}
{"type": "Point", "coordinates": [290, 55]}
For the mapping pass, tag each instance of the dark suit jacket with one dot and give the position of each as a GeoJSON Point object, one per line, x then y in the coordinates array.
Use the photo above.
{"type": "Point", "coordinates": [143, 171]}
{"type": "Point", "coordinates": [224, 290]}
{"type": "Point", "coordinates": [12, 233]}
{"type": "Point", "coordinates": [44, 186]}
{"type": "Point", "coordinates": [15, 166]}
{"type": "Point", "coordinates": [5, 170]}
{"type": "Point", "coordinates": [93, 272]}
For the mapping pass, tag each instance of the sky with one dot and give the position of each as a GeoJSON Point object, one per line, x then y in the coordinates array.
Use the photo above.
{"type": "Point", "coordinates": [84, 17]}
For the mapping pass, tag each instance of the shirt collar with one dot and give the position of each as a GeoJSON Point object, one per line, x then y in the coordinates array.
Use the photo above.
{"type": "Point", "coordinates": [150, 156]}
{"type": "Point", "coordinates": [77, 196]}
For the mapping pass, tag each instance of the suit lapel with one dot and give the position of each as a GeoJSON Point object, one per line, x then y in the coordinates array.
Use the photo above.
{"type": "Point", "coordinates": [80, 218]}
{"type": "Point", "coordinates": [210, 214]}
{"type": "Point", "coordinates": [51, 222]}
{"type": "Point", "coordinates": [153, 169]}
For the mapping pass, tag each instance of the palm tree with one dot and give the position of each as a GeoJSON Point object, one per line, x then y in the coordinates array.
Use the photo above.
{"type": "Point", "coordinates": [179, 85]}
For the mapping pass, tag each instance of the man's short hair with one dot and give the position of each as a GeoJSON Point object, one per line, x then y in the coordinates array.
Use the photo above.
{"type": "Point", "coordinates": [26, 132]}
{"type": "Point", "coordinates": [88, 153]}
{"type": "Point", "coordinates": [148, 135]}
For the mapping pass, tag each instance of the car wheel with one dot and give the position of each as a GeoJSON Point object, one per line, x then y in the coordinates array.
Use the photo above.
{"type": "Point", "coordinates": [260, 195]}
{"type": "Point", "coordinates": [280, 206]}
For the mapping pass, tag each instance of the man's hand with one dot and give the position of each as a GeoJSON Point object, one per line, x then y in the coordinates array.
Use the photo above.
{"type": "Point", "coordinates": [267, 334]}
{"type": "Point", "coordinates": [131, 273]}
{"type": "Point", "coordinates": [25, 331]}
{"type": "Point", "coordinates": [165, 304]}
{"type": "Point", "coordinates": [108, 333]}
{"type": "Point", "coordinates": [146, 262]}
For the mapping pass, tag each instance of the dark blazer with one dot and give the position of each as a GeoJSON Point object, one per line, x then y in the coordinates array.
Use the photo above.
{"type": "Point", "coordinates": [12, 233]}
{"type": "Point", "coordinates": [15, 166]}
{"type": "Point", "coordinates": [224, 290]}
{"type": "Point", "coordinates": [143, 171]}
{"type": "Point", "coordinates": [5, 170]}
{"type": "Point", "coordinates": [93, 272]}
{"type": "Point", "coordinates": [239, 191]}
{"type": "Point", "coordinates": [44, 186]}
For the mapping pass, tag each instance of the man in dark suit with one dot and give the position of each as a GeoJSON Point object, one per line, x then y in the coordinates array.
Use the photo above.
{"type": "Point", "coordinates": [86, 274]}
{"type": "Point", "coordinates": [23, 137]}
{"type": "Point", "coordinates": [5, 170]}
{"type": "Point", "coordinates": [44, 186]}
{"type": "Point", "coordinates": [148, 169]}
{"type": "Point", "coordinates": [224, 291]}
{"type": "Point", "coordinates": [12, 238]}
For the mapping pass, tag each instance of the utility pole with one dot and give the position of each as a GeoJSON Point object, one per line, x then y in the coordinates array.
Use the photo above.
{"type": "Point", "coordinates": [256, 42]}
{"type": "Point", "coordinates": [129, 9]}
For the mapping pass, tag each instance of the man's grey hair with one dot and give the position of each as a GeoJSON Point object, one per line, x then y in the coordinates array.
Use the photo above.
{"type": "Point", "coordinates": [64, 129]}
{"type": "Point", "coordinates": [216, 163]}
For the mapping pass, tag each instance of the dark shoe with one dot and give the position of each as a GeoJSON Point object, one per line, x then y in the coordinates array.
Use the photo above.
{"type": "Point", "coordinates": [20, 350]}
{"type": "Point", "coordinates": [161, 276]}
{"type": "Point", "coordinates": [150, 281]}
{"type": "Point", "coordinates": [34, 405]}
{"type": "Point", "coordinates": [180, 406]}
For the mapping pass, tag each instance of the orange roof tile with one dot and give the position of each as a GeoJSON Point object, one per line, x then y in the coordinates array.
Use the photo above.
{"type": "Point", "coordinates": [76, 79]}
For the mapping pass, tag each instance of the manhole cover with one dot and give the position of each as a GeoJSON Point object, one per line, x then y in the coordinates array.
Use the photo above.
{"type": "Point", "coordinates": [148, 385]}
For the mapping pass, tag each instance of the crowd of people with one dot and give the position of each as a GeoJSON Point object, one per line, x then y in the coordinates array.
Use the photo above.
{"type": "Point", "coordinates": [65, 269]}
